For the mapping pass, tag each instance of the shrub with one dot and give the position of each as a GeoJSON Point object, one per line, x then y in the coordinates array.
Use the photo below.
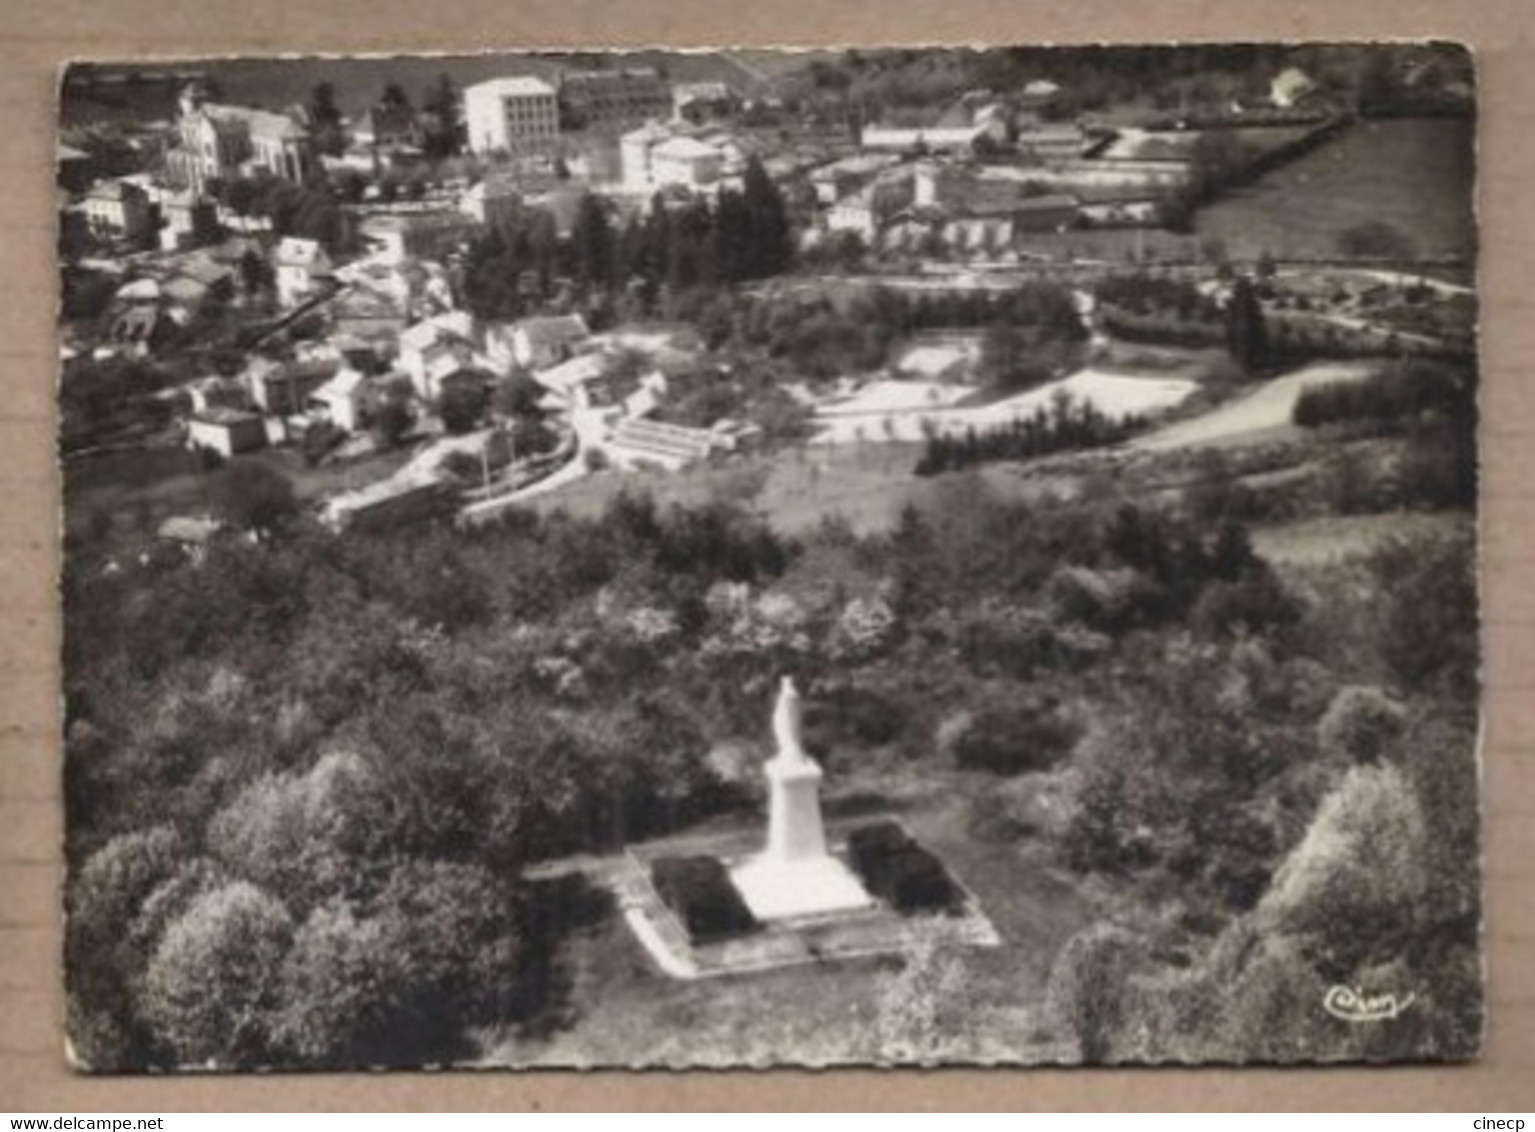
{"type": "Point", "coordinates": [1099, 599]}
{"type": "Point", "coordinates": [1085, 997]}
{"type": "Point", "coordinates": [1254, 605]}
{"type": "Point", "coordinates": [900, 872]}
{"type": "Point", "coordinates": [304, 835]}
{"type": "Point", "coordinates": [1009, 640]}
{"type": "Point", "coordinates": [1356, 877]}
{"type": "Point", "coordinates": [212, 985]}
{"type": "Point", "coordinates": [532, 438]}
{"type": "Point", "coordinates": [700, 891]}
{"type": "Point", "coordinates": [1430, 620]}
{"type": "Point", "coordinates": [1437, 471]}
{"type": "Point", "coordinates": [463, 466]}
{"type": "Point", "coordinates": [1375, 239]}
{"type": "Point", "coordinates": [319, 439]}
{"type": "Point", "coordinates": [253, 496]}
{"type": "Point", "coordinates": [990, 817]}
{"type": "Point", "coordinates": [461, 406]}
{"type": "Point", "coordinates": [1032, 734]}
{"type": "Point", "coordinates": [1361, 724]}
{"type": "Point", "coordinates": [391, 422]}
{"type": "Point", "coordinates": [853, 715]}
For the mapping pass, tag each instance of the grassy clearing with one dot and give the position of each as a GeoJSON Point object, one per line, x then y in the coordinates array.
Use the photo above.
{"type": "Point", "coordinates": [867, 484]}
{"type": "Point", "coordinates": [1116, 246]}
{"type": "Point", "coordinates": [125, 495]}
{"type": "Point", "coordinates": [1415, 174]}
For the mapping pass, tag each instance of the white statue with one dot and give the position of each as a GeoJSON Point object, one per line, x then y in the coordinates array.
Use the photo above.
{"type": "Point", "coordinates": [794, 874]}
{"type": "Point", "coordinates": [789, 722]}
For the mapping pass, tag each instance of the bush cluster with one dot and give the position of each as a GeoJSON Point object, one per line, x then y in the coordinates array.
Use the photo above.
{"type": "Point", "coordinates": [901, 872]}
{"type": "Point", "coordinates": [1015, 737]}
{"type": "Point", "coordinates": [1402, 392]}
{"type": "Point", "coordinates": [1064, 426]}
{"type": "Point", "coordinates": [700, 892]}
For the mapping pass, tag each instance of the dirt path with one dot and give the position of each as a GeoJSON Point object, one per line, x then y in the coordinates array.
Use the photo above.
{"type": "Point", "coordinates": [1249, 417]}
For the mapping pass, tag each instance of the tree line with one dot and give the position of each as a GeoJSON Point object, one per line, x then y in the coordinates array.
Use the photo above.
{"type": "Point", "coordinates": [678, 245]}
{"type": "Point", "coordinates": [1063, 426]}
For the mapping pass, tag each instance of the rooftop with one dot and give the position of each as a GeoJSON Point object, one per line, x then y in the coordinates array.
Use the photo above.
{"type": "Point", "coordinates": [223, 415]}
{"type": "Point", "coordinates": [259, 123]}
{"type": "Point", "coordinates": [346, 383]}
{"type": "Point", "coordinates": [553, 330]}
{"type": "Point", "coordinates": [112, 190]}
{"type": "Point", "coordinates": [452, 324]}
{"type": "Point", "coordinates": [577, 371]}
{"type": "Point", "coordinates": [855, 165]}
{"type": "Point", "coordinates": [611, 78]}
{"type": "Point", "coordinates": [189, 528]}
{"type": "Point", "coordinates": [295, 251]}
{"type": "Point", "coordinates": [683, 147]}
{"type": "Point", "coordinates": [650, 131]}
{"type": "Point", "coordinates": [513, 86]}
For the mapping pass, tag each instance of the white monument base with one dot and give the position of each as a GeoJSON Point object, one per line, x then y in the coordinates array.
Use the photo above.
{"type": "Point", "coordinates": [812, 886]}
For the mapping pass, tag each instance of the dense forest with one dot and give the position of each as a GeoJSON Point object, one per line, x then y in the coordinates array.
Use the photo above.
{"type": "Point", "coordinates": [305, 776]}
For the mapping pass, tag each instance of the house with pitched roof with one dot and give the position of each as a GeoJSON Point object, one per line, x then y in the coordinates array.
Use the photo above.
{"type": "Point", "coordinates": [226, 431]}
{"type": "Point", "coordinates": [343, 399]}
{"type": "Point", "coordinates": [300, 265]}
{"type": "Point", "coordinates": [283, 388]}
{"type": "Point", "coordinates": [535, 343]}
{"type": "Point", "coordinates": [494, 202]}
{"type": "Point", "coordinates": [387, 126]}
{"type": "Point", "coordinates": [119, 209]}
{"type": "Point", "coordinates": [1290, 87]}
{"type": "Point", "coordinates": [435, 348]}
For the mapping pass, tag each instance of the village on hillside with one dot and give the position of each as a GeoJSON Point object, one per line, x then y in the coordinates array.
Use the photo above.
{"type": "Point", "coordinates": [462, 457]}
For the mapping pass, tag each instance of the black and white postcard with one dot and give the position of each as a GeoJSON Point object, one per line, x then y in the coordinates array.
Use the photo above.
{"type": "Point", "coordinates": [771, 558]}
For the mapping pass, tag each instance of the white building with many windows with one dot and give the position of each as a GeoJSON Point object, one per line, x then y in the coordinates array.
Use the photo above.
{"type": "Point", "coordinates": [518, 115]}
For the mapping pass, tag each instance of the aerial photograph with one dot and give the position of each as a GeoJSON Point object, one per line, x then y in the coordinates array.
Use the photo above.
{"type": "Point", "coordinates": [668, 559]}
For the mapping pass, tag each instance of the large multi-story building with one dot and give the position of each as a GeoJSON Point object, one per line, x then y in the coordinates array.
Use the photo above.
{"type": "Point", "coordinates": [518, 115]}
{"type": "Point", "coordinates": [220, 141]}
{"type": "Point", "coordinates": [616, 99]}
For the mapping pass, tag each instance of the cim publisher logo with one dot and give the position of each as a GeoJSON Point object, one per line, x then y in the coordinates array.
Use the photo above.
{"type": "Point", "coordinates": [1352, 1005]}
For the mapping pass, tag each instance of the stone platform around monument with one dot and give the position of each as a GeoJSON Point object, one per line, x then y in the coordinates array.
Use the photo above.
{"type": "Point", "coordinates": [775, 891]}
{"type": "Point", "coordinates": [868, 929]}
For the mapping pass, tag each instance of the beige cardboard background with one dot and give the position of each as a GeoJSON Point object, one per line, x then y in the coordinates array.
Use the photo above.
{"type": "Point", "coordinates": [37, 35]}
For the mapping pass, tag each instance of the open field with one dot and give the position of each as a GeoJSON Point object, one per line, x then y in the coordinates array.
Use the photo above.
{"type": "Point", "coordinates": [866, 484]}
{"type": "Point", "coordinates": [137, 489]}
{"type": "Point", "coordinates": [1415, 174]}
{"type": "Point", "coordinates": [905, 410]}
{"type": "Point", "coordinates": [1113, 246]}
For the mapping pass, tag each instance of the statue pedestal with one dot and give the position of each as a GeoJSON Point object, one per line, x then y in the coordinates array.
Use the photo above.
{"type": "Point", "coordinates": [794, 809]}
{"type": "Point", "coordinates": [815, 886]}
{"type": "Point", "coordinates": [795, 875]}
